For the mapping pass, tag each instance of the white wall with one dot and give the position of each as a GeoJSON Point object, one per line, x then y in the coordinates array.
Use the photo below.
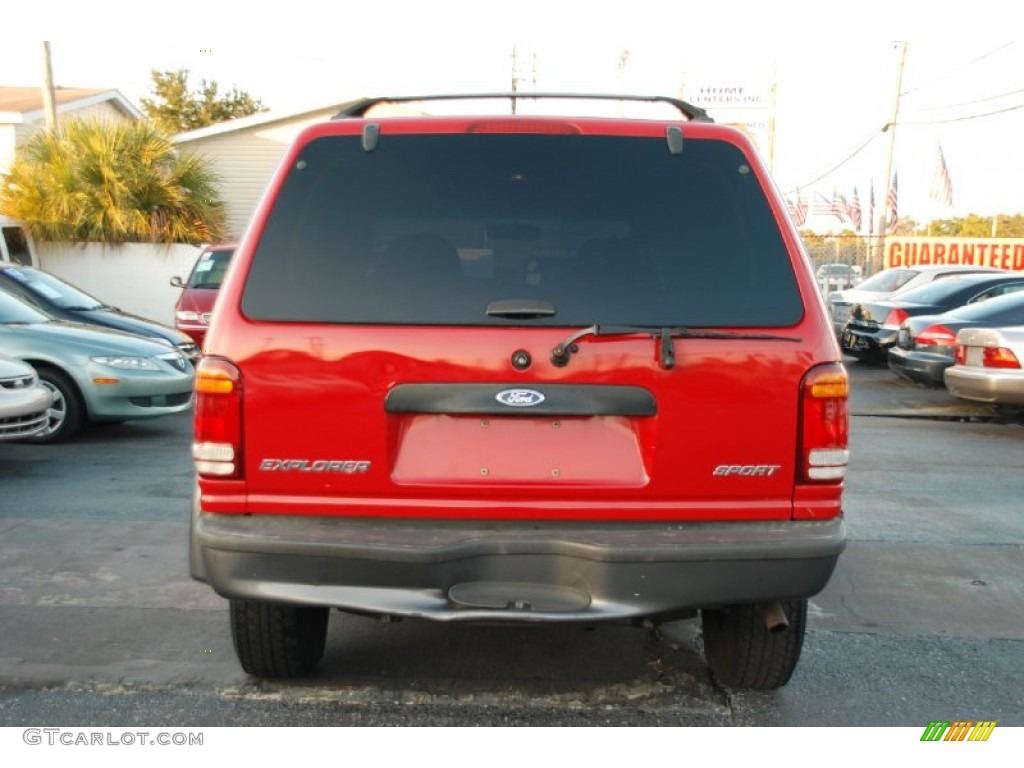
{"type": "Point", "coordinates": [134, 277]}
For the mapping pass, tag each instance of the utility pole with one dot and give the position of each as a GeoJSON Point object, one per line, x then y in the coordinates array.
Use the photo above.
{"type": "Point", "coordinates": [623, 58]}
{"type": "Point", "coordinates": [891, 128]}
{"type": "Point", "coordinates": [515, 80]}
{"type": "Point", "coordinates": [49, 99]}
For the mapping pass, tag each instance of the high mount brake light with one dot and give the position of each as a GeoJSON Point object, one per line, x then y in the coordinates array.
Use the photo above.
{"type": "Point", "coordinates": [522, 126]}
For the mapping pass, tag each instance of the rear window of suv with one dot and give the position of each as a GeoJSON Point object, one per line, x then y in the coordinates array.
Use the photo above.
{"type": "Point", "coordinates": [435, 229]}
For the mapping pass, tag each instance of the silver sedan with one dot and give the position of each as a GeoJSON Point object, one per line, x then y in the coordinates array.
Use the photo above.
{"type": "Point", "coordinates": [23, 400]}
{"type": "Point", "coordinates": [94, 374]}
{"type": "Point", "coordinates": [989, 366]}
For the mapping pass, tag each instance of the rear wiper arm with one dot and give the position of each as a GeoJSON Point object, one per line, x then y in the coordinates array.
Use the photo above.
{"type": "Point", "coordinates": [561, 354]}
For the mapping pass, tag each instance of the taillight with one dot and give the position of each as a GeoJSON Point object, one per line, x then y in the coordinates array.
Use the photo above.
{"type": "Point", "coordinates": [990, 357]}
{"type": "Point", "coordinates": [936, 335]}
{"type": "Point", "coordinates": [895, 318]}
{"type": "Point", "coordinates": [217, 443]}
{"type": "Point", "coordinates": [999, 357]}
{"type": "Point", "coordinates": [824, 424]}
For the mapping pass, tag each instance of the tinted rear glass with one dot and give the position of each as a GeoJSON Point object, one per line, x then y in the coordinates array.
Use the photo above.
{"type": "Point", "coordinates": [940, 290]}
{"type": "Point", "coordinates": [432, 229]}
{"type": "Point", "coordinates": [1007, 309]}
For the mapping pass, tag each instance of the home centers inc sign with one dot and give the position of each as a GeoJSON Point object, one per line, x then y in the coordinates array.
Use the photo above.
{"type": "Point", "coordinates": [744, 105]}
{"type": "Point", "coordinates": [1002, 253]}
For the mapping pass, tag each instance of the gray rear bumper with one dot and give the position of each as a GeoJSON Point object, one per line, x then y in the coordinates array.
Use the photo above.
{"type": "Point", "coordinates": [522, 571]}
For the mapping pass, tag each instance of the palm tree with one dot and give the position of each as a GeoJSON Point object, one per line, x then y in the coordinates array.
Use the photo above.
{"type": "Point", "coordinates": [96, 181]}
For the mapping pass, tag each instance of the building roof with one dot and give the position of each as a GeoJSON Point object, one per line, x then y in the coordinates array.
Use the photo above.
{"type": "Point", "coordinates": [259, 119]}
{"type": "Point", "coordinates": [24, 104]}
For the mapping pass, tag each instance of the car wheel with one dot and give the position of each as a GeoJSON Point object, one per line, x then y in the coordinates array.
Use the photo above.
{"type": "Point", "coordinates": [743, 653]}
{"type": "Point", "coordinates": [277, 640]}
{"type": "Point", "coordinates": [66, 412]}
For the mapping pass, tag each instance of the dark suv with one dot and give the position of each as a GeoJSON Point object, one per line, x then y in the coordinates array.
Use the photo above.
{"type": "Point", "coordinates": [521, 368]}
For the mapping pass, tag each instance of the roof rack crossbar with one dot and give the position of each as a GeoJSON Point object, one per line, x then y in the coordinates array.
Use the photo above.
{"type": "Point", "coordinates": [362, 106]}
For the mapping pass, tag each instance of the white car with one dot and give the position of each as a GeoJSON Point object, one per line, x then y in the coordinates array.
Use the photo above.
{"type": "Point", "coordinates": [988, 366]}
{"type": "Point", "coordinates": [24, 402]}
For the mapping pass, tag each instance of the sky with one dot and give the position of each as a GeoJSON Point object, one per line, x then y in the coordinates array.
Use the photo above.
{"type": "Point", "coordinates": [834, 72]}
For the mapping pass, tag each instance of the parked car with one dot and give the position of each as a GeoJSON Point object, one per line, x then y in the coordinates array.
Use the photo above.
{"type": "Point", "coordinates": [60, 299]}
{"type": "Point", "coordinates": [93, 373]}
{"type": "Point", "coordinates": [194, 307]}
{"type": "Point", "coordinates": [872, 329]}
{"type": "Point", "coordinates": [925, 344]}
{"type": "Point", "coordinates": [889, 282]}
{"type": "Point", "coordinates": [836, 277]}
{"type": "Point", "coordinates": [521, 368]}
{"type": "Point", "coordinates": [23, 400]}
{"type": "Point", "coordinates": [988, 366]}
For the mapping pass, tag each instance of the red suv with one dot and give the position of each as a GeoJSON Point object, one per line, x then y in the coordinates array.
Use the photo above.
{"type": "Point", "coordinates": [521, 368]}
{"type": "Point", "coordinates": [194, 307]}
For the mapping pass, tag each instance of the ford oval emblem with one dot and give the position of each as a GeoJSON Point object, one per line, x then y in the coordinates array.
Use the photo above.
{"type": "Point", "coordinates": [519, 398]}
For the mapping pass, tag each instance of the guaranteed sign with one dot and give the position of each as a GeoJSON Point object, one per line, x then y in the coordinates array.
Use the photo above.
{"type": "Point", "coordinates": [1002, 253]}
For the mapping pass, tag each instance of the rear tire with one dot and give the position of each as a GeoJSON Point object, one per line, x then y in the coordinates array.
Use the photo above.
{"type": "Point", "coordinates": [278, 640]}
{"type": "Point", "coordinates": [741, 651]}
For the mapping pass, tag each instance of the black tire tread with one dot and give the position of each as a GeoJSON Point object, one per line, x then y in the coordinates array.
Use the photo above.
{"type": "Point", "coordinates": [278, 640]}
{"type": "Point", "coordinates": [742, 653]}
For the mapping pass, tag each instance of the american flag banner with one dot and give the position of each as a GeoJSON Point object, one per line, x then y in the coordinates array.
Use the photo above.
{"type": "Point", "coordinates": [855, 213]}
{"type": "Point", "coordinates": [942, 185]}
{"type": "Point", "coordinates": [871, 210]}
{"type": "Point", "coordinates": [893, 210]}
{"type": "Point", "coordinates": [840, 208]}
{"type": "Point", "coordinates": [797, 210]}
{"type": "Point", "coordinates": [822, 205]}
{"type": "Point", "coordinates": [798, 216]}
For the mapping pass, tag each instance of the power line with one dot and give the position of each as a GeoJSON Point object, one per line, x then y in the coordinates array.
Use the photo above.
{"type": "Point", "coordinates": [863, 145]}
{"type": "Point", "coordinates": [860, 148]}
{"type": "Point", "coordinates": [956, 69]}
{"type": "Point", "coordinates": [973, 101]}
{"type": "Point", "coordinates": [965, 117]}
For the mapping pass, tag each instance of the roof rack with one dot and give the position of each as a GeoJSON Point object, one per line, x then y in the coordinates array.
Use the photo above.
{"type": "Point", "coordinates": [361, 107]}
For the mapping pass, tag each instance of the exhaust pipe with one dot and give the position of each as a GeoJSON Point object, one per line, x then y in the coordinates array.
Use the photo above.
{"type": "Point", "coordinates": [774, 617]}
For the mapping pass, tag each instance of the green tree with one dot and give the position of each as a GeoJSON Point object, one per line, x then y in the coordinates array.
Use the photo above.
{"type": "Point", "coordinates": [112, 183]}
{"type": "Point", "coordinates": [974, 225]}
{"type": "Point", "coordinates": [904, 226]}
{"type": "Point", "coordinates": [174, 108]}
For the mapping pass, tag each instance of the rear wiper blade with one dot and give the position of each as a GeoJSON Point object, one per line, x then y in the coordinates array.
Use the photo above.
{"type": "Point", "coordinates": [561, 354]}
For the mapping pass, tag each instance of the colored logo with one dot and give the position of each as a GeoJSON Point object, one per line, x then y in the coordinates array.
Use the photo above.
{"type": "Point", "coordinates": [519, 398]}
{"type": "Point", "coordinates": [959, 730]}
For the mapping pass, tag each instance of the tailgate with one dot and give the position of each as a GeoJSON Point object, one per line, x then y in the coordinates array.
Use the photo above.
{"type": "Point", "coordinates": [455, 431]}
